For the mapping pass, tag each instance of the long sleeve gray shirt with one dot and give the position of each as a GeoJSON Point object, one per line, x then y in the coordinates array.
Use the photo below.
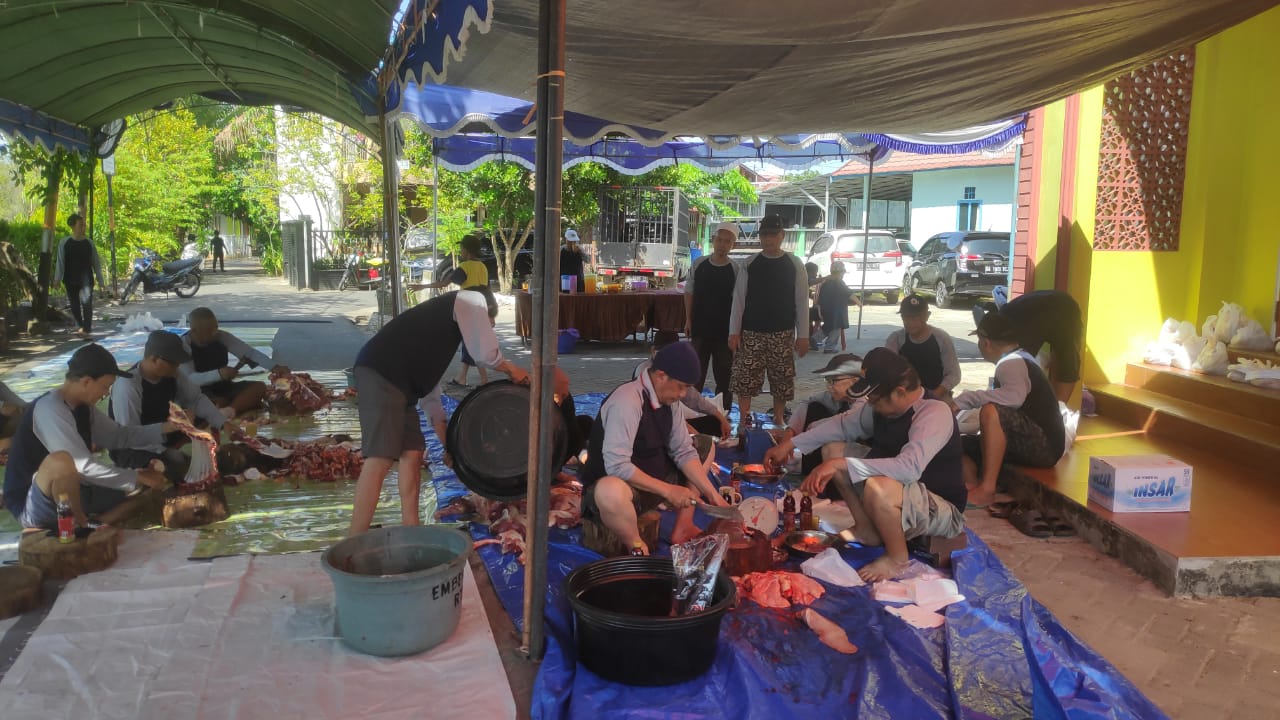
{"type": "Point", "coordinates": [620, 415]}
{"type": "Point", "coordinates": [946, 346]}
{"type": "Point", "coordinates": [1013, 380]}
{"type": "Point", "coordinates": [126, 404]}
{"type": "Point", "coordinates": [235, 348]}
{"type": "Point", "coordinates": [801, 297]}
{"type": "Point", "coordinates": [931, 429]}
{"type": "Point", "coordinates": [55, 427]}
{"type": "Point", "coordinates": [693, 403]}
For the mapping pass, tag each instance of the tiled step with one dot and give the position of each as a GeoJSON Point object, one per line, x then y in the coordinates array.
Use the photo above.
{"type": "Point", "coordinates": [1225, 545]}
{"type": "Point", "coordinates": [1221, 432]}
{"type": "Point", "coordinates": [1254, 403]}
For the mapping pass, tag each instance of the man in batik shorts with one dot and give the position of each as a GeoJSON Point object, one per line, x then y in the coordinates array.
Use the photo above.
{"type": "Point", "coordinates": [769, 323]}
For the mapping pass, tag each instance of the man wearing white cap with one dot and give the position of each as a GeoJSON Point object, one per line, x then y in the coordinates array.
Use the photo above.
{"type": "Point", "coordinates": [710, 283]}
{"type": "Point", "coordinates": [571, 259]}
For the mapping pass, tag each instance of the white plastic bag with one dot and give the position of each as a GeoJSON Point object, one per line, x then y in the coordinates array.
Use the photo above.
{"type": "Point", "coordinates": [1206, 330]}
{"type": "Point", "coordinates": [1157, 353]}
{"type": "Point", "coordinates": [968, 421]}
{"type": "Point", "coordinates": [1186, 355]}
{"type": "Point", "coordinates": [1251, 336]}
{"type": "Point", "coordinates": [1186, 332]}
{"type": "Point", "coordinates": [1213, 360]}
{"type": "Point", "coordinates": [1070, 423]}
{"type": "Point", "coordinates": [142, 322]}
{"type": "Point", "coordinates": [1229, 319]}
{"type": "Point", "coordinates": [1169, 331]}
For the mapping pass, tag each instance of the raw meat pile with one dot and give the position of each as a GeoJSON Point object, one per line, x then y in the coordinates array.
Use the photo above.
{"type": "Point", "coordinates": [296, 392]}
{"type": "Point", "coordinates": [327, 459]}
{"type": "Point", "coordinates": [507, 520]}
{"type": "Point", "coordinates": [203, 472]}
{"type": "Point", "coordinates": [831, 634]}
{"type": "Point", "coordinates": [779, 589]}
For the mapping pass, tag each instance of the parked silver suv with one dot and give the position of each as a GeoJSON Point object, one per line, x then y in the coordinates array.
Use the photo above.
{"type": "Point", "coordinates": [884, 260]}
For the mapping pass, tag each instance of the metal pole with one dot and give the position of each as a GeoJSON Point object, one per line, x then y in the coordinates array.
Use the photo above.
{"type": "Point", "coordinates": [546, 299]}
{"type": "Point", "coordinates": [866, 222]}
{"type": "Point", "coordinates": [111, 232]}
{"type": "Point", "coordinates": [391, 208]}
{"type": "Point", "coordinates": [435, 211]}
{"type": "Point", "coordinates": [826, 206]}
{"type": "Point", "coordinates": [1013, 223]}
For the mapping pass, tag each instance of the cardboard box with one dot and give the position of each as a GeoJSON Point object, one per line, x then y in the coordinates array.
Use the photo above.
{"type": "Point", "coordinates": [1140, 483]}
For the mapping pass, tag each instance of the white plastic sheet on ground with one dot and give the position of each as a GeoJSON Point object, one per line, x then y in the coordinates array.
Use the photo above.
{"type": "Point", "coordinates": [157, 636]}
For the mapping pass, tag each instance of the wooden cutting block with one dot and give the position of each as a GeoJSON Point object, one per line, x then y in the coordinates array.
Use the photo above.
{"type": "Point", "coordinates": [19, 589]}
{"type": "Point", "coordinates": [597, 537]}
{"type": "Point", "coordinates": [195, 509]}
{"type": "Point", "coordinates": [63, 561]}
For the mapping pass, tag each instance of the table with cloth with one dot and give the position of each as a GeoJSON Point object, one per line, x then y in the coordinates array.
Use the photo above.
{"type": "Point", "coordinates": [608, 317]}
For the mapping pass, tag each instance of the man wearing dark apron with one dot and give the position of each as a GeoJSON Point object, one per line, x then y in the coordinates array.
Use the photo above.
{"type": "Point", "coordinates": [210, 367]}
{"type": "Point", "coordinates": [841, 373]}
{"type": "Point", "coordinates": [144, 400]}
{"type": "Point", "coordinates": [639, 455]}
{"type": "Point", "coordinates": [930, 350]}
{"type": "Point", "coordinates": [53, 451]}
{"type": "Point", "coordinates": [910, 484]}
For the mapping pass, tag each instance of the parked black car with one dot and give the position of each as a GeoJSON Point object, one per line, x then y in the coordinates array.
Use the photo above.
{"type": "Point", "coordinates": [523, 264]}
{"type": "Point", "coordinates": [955, 264]}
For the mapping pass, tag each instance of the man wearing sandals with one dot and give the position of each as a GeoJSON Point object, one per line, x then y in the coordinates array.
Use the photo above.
{"type": "Point", "coordinates": [909, 485]}
{"type": "Point", "coordinates": [1019, 417]}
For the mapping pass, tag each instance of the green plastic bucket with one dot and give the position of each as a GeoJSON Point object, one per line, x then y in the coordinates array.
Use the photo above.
{"type": "Point", "coordinates": [398, 590]}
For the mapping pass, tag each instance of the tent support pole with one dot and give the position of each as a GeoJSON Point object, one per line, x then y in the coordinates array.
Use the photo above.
{"type": "Point", "coordinates": [546, 299]}
{"type": "Point", "coordinates": [866, 222]}
{"type": "Point", "coordinates": [391, 208]}
{"type": "Point", "coordinates": [435, 212]}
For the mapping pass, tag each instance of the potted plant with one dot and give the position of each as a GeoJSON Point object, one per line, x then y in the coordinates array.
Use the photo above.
{"type": "Point", "coordinates": [326, 273]}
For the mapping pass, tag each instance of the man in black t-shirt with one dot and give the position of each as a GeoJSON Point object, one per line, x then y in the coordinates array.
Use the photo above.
{"type": "Point", "coordinates": [708, 302]}
{"type": "Point", "coordinates": [219, 250]}
{"type": "Point", "coordinates": [76, 264]}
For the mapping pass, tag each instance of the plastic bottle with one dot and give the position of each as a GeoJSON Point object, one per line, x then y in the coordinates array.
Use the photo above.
{"type": "Point", "coordinates": [806, 514]}
{"type": "Point", "coordinates": [637, 549]}
{"type": "Point", "coordinates": [789, 513]}
{"type": "Point", "coordinates": [66, 520]}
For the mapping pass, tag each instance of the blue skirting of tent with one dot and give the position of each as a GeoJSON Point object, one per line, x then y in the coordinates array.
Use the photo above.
{"type": "Point", "coordinates": [33, 126]}
{"type": "Point", "coordinates": [1000, 655]}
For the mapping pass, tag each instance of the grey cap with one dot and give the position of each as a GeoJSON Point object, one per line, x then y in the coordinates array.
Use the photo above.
{"type": "Point", "coordinates": [843, 364]}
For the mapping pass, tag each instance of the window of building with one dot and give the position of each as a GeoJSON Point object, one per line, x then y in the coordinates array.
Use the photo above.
{"type": "Point", "coordinates": [968, 214]}
{"type": "Point", "coordinates": [970, 192]}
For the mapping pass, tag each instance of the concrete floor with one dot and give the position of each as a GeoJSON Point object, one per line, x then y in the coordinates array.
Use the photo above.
{"type": "Point", "coordinates": [1217, 658]}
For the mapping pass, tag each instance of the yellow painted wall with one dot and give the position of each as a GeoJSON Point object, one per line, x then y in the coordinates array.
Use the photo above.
{"type": "Point", "coordinates": [1230, 237]}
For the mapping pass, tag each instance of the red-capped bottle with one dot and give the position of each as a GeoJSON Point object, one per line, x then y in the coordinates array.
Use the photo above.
{"type": "Point", "coordinates": [806, 514]}
{"type": "Point", "coordinates": [789, 513]}
{"type": "Point", "coordinates": [66, 520]}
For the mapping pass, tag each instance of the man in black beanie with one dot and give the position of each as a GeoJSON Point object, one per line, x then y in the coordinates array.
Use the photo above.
{"type": "Point", "coordinates": [638, 453]}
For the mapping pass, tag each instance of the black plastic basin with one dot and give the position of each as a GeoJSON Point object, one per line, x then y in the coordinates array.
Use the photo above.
{"type": "Point", "coordinates": [622, 626]}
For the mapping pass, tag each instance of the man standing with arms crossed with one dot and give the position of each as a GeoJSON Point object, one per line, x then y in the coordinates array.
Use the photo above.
{"type": "Point", "coordinates": [770, 317]}
{"type": "Point", "coordinates": [708, 302]}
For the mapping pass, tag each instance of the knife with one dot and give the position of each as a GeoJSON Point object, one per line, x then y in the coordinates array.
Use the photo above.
{"type": "Point", "coordinates": [724, 513]}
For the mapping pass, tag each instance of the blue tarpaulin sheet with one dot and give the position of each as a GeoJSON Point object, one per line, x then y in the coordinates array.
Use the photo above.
{"type": "Point", "coordinates": [1001, 654]}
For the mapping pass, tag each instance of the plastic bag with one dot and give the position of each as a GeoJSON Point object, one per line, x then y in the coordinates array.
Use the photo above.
{"type": "Point", "coordinates": [1169, 331]}
{"type": "Point", "coordinates": [1206, 330]}
{"type": "Point", "coordinates": [1185, 356]}
{"type": "Point", "coordinates": [697, 564]}
{"type": "Point", "coordinates": [142, 322]}
{"type": "Point", "coordinates": [1251, 336]}
{"type": "Point", "coordinates": [1212, 361]}
{"type": "Point", "coordinates": [968, 421]}
{"type": "Point", "coordinates": [1229, 319]}
{"type": "Point", "coordinates": [1070, 423]}
{"type": "Point", "coordinates": [1186, 332]}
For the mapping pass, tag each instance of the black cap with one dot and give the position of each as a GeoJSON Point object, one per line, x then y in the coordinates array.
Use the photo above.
{"type": "Point", "coordinates": [882, 368]}
{"type": "Point", "coordinates": [94, 361]}
{"type": "Point", "coordinates": [844, 364]}
{"type": "Point", "coordinates": [913, 304]}
{"type": "Point", "coordinates": [771, 223]}
{"type": "Point", "coordinates": [166, 346]}
{"type": "Point", "coordinates": [997, 327]}
{"type": "Point", "coordinates": [679, 361]}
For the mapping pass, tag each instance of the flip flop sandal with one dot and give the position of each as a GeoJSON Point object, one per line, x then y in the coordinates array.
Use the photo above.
{"type": "Point", "coordinates": [1002, 509]}
{"type": "Point", "coordinates": [1060, 527]}
{"type": "Point", "coordinates": [1030, 522]}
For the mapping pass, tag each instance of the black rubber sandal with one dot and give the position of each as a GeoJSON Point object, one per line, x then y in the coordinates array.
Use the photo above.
{"type": "Point", "coordinates": [1030, 522]}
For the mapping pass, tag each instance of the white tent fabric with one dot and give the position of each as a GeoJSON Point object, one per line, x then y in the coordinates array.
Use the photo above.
{"type": "Point", "coordinates": [766, 68]}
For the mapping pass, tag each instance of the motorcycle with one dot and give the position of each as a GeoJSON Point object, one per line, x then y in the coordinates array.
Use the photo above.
{"type": "Point", "coordinates": [351, 277]}
{"type": "Point", "coordinates": [150, 274]}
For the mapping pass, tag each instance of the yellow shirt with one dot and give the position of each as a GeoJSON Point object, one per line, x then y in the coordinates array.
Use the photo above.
{"type": "Point", "coordinates": [477, 273]}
